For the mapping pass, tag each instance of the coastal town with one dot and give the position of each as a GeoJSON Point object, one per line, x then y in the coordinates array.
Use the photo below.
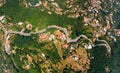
{"type": "Point", "coordinates": [54, 48]}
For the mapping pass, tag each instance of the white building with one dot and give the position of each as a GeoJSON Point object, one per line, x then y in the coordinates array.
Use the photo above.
{"type": "Point", "coordinates": [89, 46]}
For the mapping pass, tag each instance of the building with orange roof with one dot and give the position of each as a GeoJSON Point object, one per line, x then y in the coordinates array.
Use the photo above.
{"type": "Point", "coordinates": [44, 37]}
{"type": "Point", "coordinates": [117, 32]}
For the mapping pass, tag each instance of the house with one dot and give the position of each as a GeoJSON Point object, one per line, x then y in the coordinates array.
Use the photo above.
{"type": "Point", "coordinates": [86, 19]}
{"type": "Point", "coordinates": [2, 2]}
{"type": "Point", "coordinates": [89, 46]}
{"type": "Point", "coordinates": [65, 46]}
{"type": "Point", "coordinates": [7, 47]}
{"type": "Point", "coordinates": [20, 23]}
{"type": "Point", "coordinates": [27, 67]}
{"type": "Point", "coordinates": [43, 54]}
{"type": "Point", "coordinates": [2, 17]}
{"type": "Point", "coordinates": [44, 37]}
{"type": "Point", "coordinates": [52, 37]}
{"type": "Point", "coordinates": [59, 35]}
{"type": "Point", "coordinates": [95, 3]}
{"type": "Point", "coordinates": [75, 57]}
{"type": "Point", "coordinates": [11, 24]}
{"type": "Point", "coordinates": [29, 27]}
{"type": "Point", "coordinates": [117, 32]}
{"type": "Point", "coordinates": [63, 37]}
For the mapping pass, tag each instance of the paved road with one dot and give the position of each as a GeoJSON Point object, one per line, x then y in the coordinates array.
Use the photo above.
{"type": "Point", "coordinates": [69, 40]}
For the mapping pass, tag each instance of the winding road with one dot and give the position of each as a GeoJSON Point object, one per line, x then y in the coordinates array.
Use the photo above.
{"type": "Point", "coordinates": [64, 30]}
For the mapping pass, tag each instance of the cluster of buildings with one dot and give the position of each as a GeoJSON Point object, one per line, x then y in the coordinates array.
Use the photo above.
{"type": "Point", "coordinates": [52, 6]}
{"type": "Point", "coordinates": [57, 35]}
{"type": "Point", "coordinates": [95, 3]}
{"type": "Point", "coordinates": [79, 60]}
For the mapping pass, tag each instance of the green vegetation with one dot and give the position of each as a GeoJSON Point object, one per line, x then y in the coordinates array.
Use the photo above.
{"type": "Point", "coordinates": [33, 48]}
{"type": "Point", "coordinates": [34, 15]}
{"type": "Point", "coordinates": [100, 60]}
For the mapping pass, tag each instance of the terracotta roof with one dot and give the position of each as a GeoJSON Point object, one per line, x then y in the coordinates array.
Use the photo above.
{"type": "Point", "coordinates": [44, 37]}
